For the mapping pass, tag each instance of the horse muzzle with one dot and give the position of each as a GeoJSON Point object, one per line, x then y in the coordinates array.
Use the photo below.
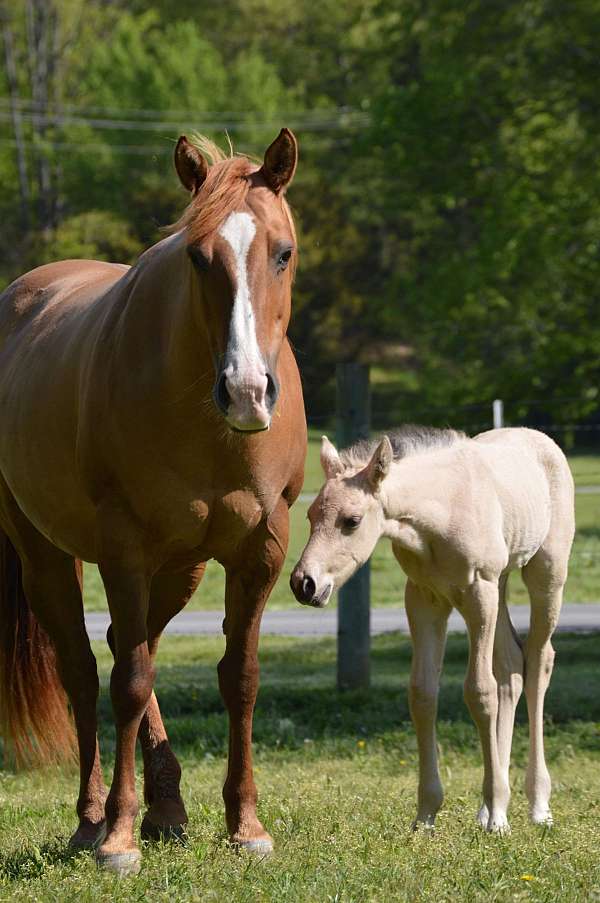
{"type": "Point", "coordinates": [306, 590]}
{"type": "Point", "coordinates": [246, 400]}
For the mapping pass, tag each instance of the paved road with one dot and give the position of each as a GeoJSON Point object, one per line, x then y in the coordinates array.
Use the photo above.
{"type": "Point", "coordinates": [312, 622]}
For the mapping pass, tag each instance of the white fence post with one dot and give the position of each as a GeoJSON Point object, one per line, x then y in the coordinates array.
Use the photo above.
{"type": "Point", "coordinates": [498, 413]}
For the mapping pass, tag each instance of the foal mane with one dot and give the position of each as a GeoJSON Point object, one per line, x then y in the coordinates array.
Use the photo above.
{"type": "Point", "coordinates": [408, 440]}
{"type": "Point", "coordinates": [224, 191]}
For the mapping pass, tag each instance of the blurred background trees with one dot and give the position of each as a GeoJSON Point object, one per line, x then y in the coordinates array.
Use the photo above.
{"type": "Point", "coordinates": [448, 196]}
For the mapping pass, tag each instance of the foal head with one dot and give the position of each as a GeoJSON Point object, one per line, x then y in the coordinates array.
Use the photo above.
{"type": "Point", "coordinates": [242, 244]}
{"type": "Point", "coordinates": [346, 520]}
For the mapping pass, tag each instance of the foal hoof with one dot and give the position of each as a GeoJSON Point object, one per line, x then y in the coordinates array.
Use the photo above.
{"type": "Point", "coordinates": [542, 818]}
{"type": "Point", "coordinates": [165, 833]}
{"type": "Point", "coordinates": [498, 826]}
{"type": "Point", "coordinates": [121, 864]}
{"type": "Point", "coordinates": [483, 816]}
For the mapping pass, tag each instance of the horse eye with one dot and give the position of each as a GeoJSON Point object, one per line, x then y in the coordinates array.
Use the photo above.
{"type": "Point", "coordinates": [351, 523]}
{"type": "Point", "coordinates": [284, 259]}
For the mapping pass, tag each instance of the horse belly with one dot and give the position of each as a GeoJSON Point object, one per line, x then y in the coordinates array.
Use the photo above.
{"type": "Point", "coordinates": [38, 462]}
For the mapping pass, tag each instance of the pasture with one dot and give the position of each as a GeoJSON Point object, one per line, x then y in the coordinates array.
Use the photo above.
{"type": "Point", "coordinates": [387, 580]}
{"type": "Point", "coordinates": [337, 783]}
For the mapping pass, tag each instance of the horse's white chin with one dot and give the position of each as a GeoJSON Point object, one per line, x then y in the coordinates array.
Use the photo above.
{"type": "Point", "coordinates": [251, 424]}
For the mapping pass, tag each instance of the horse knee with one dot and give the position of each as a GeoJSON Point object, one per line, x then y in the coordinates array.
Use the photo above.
{"type": "Point", "coordinates": [238, 680]}
{"type": "Point", "coordinates": [423, 699]}
{"type": "Point", "coordinates": [481, 699]}
{"type": "Point", "coordinates": [131, 684]}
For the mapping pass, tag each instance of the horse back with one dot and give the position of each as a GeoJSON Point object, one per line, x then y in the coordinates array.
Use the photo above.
{"type": "Point", "coordinates": [67, 282]}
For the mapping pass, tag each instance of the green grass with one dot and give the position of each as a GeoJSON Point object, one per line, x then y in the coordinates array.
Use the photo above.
{"type": "Point", "coordinates": [387, 584]}
{"type": "Point", "coordinates": [337, 780]}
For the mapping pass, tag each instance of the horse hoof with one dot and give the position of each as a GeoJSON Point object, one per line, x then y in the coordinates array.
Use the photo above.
{"type": "Point", "coordinates": [165, 833]}
{"type": "Point", "coordinates": [81, 842]}
{"type": "Point", "coordinates": [542, 819]}
{"type": "Point", "coordinates": [121, 864]}
{"type": "Point", "coordinates": [483, 816]}
{"type": "Point", "coordinates": [260, 847]}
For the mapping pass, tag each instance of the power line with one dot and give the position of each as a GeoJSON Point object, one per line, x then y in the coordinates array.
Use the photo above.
{"type": "Point", "coordinates": [50, 119]}
{"type": "Point", "coordinates": [142, 150]}
{"type": "Point", "coordinates": [166, 115]}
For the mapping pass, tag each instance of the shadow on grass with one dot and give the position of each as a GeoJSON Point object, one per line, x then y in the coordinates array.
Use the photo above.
{"type": "Point", "coordinates": [32, 862]}
{"type": "Point", "coordinates": [298, 699]}
{"type": "Point", "coordinates": [588, 532]}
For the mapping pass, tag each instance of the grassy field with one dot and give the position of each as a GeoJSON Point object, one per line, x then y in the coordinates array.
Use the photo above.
{"type": "Point", "coordinates": [387, 585]}
{"type": "Point", "coordinates": [337, 780]}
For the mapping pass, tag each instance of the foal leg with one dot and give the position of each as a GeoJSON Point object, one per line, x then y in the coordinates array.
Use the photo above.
{"type": "Point", "coordinates": [52, 582]}
{"type": "Point", "coordinates": [480, 608]}
{"type": "Point", "coordinates": [508, 664]}
{"type": "Point", "coordinates": [249, 583]}
{"type": "Point", "coordinates": [428, 621]}
{"type": "Point", "coordinates": [544, 581]}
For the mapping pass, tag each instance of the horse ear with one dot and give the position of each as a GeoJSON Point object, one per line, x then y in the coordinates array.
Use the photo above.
{"type": "Point", "coordinates": [330, 460]}
{"type": "Point", "coordinates": [379, 465]}
{"type": "Point", "coordinates": [191, 166]}
{"type": "Point", "coordinates": [280, 161]}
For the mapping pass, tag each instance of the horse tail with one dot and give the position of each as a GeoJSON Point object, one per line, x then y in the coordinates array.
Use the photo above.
{"type": "Point", "coordinates": [34, 719]}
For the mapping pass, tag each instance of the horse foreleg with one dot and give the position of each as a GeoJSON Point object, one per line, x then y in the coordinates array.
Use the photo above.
{"type": "Point", "coordinates": [166, 816]}
{"type": "Point", "coordinates": [249, 583]}
{"type": "Point", "coordinates": [480, 609]}
{"type": "Point", "coordinates": [127, 590]}
{"type": "Point", "coordinates": [428, 622]}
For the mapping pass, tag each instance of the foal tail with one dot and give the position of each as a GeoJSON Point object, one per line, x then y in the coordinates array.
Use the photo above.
{"type": "Point", "coordinates": [34, 719]}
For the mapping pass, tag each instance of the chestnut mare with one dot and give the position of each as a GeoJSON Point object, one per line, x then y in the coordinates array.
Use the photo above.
{"type": "Point", "coordinates": [152, 419]}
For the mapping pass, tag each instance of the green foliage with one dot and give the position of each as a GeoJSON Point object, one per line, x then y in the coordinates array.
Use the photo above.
{"type": "Point", "coordinates": [96, 235]}
{"type": "Point", "coordinates": [447, 196]}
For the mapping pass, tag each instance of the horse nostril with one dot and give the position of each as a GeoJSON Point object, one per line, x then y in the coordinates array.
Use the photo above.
{"type": "Point", "coordinates": [221, 395]}
{"type": "Point", "coordinates": [272, 391]}
{"type": "Point", "coordinates": [308, 588]}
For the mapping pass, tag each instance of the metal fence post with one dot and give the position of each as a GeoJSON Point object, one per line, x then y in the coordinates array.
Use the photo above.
{"type": "Point", "coordinates": [354, 635]}
{"type": "Point", "coordinates": [498, 413]}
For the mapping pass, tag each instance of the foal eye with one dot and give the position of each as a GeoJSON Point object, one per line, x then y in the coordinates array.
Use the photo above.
{"type": "Point", "coordinates": [351, 523]}
{"type": "Point", "coordinates": [284, 259]}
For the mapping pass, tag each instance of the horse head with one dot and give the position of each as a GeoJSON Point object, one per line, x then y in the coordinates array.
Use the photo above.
{"type": "Point", "coordinates": [242, 243]}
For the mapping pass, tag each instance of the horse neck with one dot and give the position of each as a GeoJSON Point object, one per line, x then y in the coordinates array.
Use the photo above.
{"type": "Point", "coordinates": [415, 482]}
{"type": "Point", "coordinates": [159, 329]}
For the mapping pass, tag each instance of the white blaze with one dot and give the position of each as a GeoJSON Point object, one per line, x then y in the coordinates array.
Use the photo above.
{"type": "Point", "coordinates": [239, 230]}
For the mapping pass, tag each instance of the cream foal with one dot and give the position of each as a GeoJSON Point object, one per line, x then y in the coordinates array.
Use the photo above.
{"type": "Point", "coordinates": [461, 514]}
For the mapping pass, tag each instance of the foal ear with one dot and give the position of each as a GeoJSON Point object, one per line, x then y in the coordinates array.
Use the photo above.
{"type": "Point", "coordinates": [191, 166]}
{"type": "Point", "coordinates": [330, 460]}
{"type": "Point", "coordinates": [379, 465]}
{"type": "Point", "coordinates": [280, 161]}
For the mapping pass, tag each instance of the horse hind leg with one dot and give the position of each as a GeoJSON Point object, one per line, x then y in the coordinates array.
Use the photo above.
{"type": "Point", "coordinates": [508, 667]}
{"type": "Point", "coordinates": [52, 583]}
{"type": "Point", "coordinates": [544, 577]}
